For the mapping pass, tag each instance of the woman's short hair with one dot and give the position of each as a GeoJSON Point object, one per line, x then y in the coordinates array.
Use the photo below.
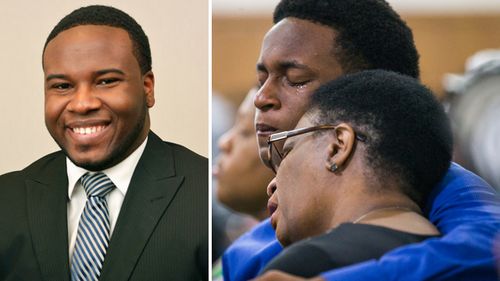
{"type": "Point", "coordinates": [409, 137]}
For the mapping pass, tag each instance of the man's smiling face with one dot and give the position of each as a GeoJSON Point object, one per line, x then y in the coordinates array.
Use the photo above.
{"type": "Point", "coordinates": [96, 98]}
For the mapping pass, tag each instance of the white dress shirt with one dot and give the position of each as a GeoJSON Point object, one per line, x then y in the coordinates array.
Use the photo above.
{"type": "Point", "coordinates": [120, 175]}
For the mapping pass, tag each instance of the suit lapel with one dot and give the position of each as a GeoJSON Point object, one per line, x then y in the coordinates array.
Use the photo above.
{"type": "Point", "coordinates": [47, 208]}
{"type": "Point", "coordinates": [152, 188]}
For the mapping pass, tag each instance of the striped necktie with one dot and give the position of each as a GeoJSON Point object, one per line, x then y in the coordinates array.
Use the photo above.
{"type": "Point", "coordinates": [93, 230]}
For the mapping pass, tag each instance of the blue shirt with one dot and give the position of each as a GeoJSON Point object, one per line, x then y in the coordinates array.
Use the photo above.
{"type": "Point", "coordinates": [464, 208]}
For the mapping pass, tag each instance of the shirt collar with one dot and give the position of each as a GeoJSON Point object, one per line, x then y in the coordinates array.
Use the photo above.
{"type": "Point", "coordinates": [120, 174]}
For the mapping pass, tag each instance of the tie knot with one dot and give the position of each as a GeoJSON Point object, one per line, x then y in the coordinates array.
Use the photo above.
{"type": "Point", "coordinates": [97, 184]}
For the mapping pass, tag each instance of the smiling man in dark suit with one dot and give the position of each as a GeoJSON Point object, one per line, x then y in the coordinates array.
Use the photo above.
{"type": "Point", "coordinates": [116, 203]}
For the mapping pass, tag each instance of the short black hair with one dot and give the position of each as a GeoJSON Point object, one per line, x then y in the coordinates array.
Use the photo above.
{"type": "Point", "coordinates": [108, 16]}
{"type": "Point", "coordinates": [370, 34]}
{"type": "Point", "coordinates": [409, 137]}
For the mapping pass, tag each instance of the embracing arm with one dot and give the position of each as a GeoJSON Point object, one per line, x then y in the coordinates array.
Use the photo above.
{"type": "Point", "coordinates": [467, 212]}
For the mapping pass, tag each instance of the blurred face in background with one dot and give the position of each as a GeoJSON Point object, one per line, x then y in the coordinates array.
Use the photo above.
{"type": "Point", "coordinates": [241, 176]}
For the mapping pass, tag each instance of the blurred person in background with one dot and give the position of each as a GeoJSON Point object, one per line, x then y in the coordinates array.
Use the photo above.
{"type": "Point", "coordinates": [223, 112]}
{"type": "Point", "coordinates": [241, 177]}
{"type": "Point", "coordinates": [474, 108]}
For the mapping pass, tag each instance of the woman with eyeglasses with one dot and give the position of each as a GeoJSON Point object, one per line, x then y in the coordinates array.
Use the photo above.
{"type": "Point", "coordinates": [352, 178]}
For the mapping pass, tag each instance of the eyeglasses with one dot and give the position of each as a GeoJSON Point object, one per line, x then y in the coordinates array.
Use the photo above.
{"type": "Point", "coordinates": [274, 153]}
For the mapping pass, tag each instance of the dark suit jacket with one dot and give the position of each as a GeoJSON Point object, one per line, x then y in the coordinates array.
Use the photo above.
{"type": "Point", "coordinates": [161, 232]}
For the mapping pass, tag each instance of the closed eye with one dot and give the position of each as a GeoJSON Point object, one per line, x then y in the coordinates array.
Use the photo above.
{"type": "Point", "coordinates": [261, 78]}
{"type": "Point", "coordinates": [296, 84]}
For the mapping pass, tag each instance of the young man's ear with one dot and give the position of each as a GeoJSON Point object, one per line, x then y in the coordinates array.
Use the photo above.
{"type": "Point", "coordinates": [149, 88]}
{"type": "Point", "coordinates": [340, 147]}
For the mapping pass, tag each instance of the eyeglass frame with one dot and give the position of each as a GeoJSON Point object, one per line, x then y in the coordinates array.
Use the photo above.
{"type": "Point", "coordinates": [292, 133]}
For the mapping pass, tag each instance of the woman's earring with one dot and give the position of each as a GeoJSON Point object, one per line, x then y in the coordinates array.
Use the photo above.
{"type": "Point", "coordinates": [334, 167]}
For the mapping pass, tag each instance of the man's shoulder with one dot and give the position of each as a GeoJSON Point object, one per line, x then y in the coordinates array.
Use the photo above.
{"type": "Point", "coordinates": [166, 159]}
{"type": "Point", "coordinates": [260, 236]}
{"type": "Point", "coordinates": [185, 153]}
{"type": "Point", "coordinates": [458, 176]}
{"type": "Point", "coordinates": [37, 166]}
{"type": "Point", "coordinates": [11, 183]}
{"type": "Point", "coordinates": [245, 258]}
{"type": "Point", "coordinates": [184, 158]}
{"type": "Point", "coordinates": [459, 184]}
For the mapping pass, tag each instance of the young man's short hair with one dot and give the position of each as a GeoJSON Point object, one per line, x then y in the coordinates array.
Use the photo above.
{"type": "Point", "coordinates": [370, 34]}
{"type": "Point", "coordinates": [108, 16]}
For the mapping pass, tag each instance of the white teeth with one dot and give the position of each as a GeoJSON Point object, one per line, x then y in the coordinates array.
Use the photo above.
{"type": "Point", "coordinates": [88, 130]}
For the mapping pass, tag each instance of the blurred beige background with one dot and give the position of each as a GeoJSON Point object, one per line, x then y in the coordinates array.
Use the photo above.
{"type": "Point", "coordinates": [178, 34]}
{"type": "Point", "coordinates": [446, 33]}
